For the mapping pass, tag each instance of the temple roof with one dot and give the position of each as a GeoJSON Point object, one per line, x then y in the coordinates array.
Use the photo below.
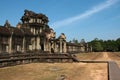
{"type": "Point", "coordinates": [17, 32]}
{"type": "Point", "coordinates": [4, 31]}
{"type": "Point", "coordinates": [62, 36]}
{"type": "Point", "coordinates": [30, 14]}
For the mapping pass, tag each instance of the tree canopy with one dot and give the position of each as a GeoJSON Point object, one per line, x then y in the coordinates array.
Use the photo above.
{"type": "Point", "coordinates": [105, 45]}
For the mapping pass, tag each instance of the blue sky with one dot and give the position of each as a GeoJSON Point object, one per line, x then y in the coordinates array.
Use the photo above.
{"type": "Point", "coordinates": [78, 19]}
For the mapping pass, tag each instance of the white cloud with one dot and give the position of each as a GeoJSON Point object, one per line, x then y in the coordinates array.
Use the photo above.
{"type": "Point", "coordinates": [86, 14]}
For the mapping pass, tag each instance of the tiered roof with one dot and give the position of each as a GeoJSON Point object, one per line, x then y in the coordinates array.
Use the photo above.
{"type": "Point", "coordinates": [30, 14]}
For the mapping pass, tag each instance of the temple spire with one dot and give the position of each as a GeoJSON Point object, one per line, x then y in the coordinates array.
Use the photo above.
{"type": "Point", "coordinates": [7, 24]}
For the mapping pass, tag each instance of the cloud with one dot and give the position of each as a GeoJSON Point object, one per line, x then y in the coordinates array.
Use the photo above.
{"type": "Point", "coordinates": [86, 14]}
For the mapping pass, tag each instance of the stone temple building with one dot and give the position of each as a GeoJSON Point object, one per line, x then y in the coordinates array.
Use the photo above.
{"type": "Point", "coordinates": [34, 34]}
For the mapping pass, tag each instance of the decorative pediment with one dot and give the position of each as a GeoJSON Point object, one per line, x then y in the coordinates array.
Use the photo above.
{"type": "Point", "coordinates": [19, 25]}
{"type": "Point", "coordinates": [62, 36]}
{"type": "Point", "coordinates": [48, 33]}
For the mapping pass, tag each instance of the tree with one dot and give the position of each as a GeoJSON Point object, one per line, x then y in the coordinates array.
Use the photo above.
{"type": "Point", "coordinates": [111, 45]}
{"type": "Point", "coordinates": [118, 43]}
{"type": "Point", "coordinates": [82, 41]}
{"type": "Point", "coordinates": [75, 41]}
{"type": "Point", "coordinates": [96, 45]}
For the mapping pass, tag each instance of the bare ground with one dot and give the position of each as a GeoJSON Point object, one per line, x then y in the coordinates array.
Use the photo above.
{"type": "Point", "coordinates": [53, 71]}
{"type": "Point", "coordinates": [46, 71]}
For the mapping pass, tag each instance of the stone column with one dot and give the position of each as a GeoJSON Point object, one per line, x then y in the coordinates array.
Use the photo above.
{"type": "Point", "coordinates": [64, 47]}
{"type": "Point", "coordinates": [7, 48]}
{"type": "Point", "coordinates": [38, 43]}
{"type": "Point", "coordinates": [90, 48]}
{"type": "Point", "coordinates": [34, 31]}
{"type": "Point", "coordinates": [49, 46]}
{"type": "Point", "coordinates": [33, 43]}
{"type": "Point", "coordinates": [18, 47]}
{"type": "Point", "coordinates": [23, 48]}
{"type": "Point", "coordinates": [55, 47]}
{"type": "Point", "coordinates": [10, 45]}
{"type": "Point", "coordinates": [60, 46]}
{"type": "Point", "coordinates": [87, 48]}
{"type": "Point", "coordinates": [44, 45]}
{"type": "Point", "coordinates": [30, 47]}
{"type": "Point", "coordinates": [69, 48]}
{"type": "Point", "coordinates": [73, 48]}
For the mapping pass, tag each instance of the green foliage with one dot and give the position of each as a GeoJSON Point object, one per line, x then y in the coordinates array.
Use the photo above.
{"type": "Point", "coordinates": [75, 41]}
{"type": "Point", "coordinates": [96, 45]}
{"type": "Point", "coordinates": [109, 45]}
{"type": "Point", "coordinates": [82, 41]}
{"type": "Point", "coordinates": [118, 43]}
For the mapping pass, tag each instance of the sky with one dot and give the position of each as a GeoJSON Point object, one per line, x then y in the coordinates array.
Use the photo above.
{"type": "Point", "coordinates": [78, 19]}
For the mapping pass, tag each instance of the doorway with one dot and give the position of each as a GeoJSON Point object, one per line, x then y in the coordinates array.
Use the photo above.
{"type": "Point", "coordinates": [42, 47]}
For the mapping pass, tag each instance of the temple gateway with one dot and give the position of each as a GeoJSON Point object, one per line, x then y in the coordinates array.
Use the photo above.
{"type": "Point", "coordinates": [34, 34]}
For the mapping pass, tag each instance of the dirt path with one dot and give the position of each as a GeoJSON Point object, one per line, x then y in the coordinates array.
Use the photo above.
{"type": "Point", "coordinates": [104, 57]}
